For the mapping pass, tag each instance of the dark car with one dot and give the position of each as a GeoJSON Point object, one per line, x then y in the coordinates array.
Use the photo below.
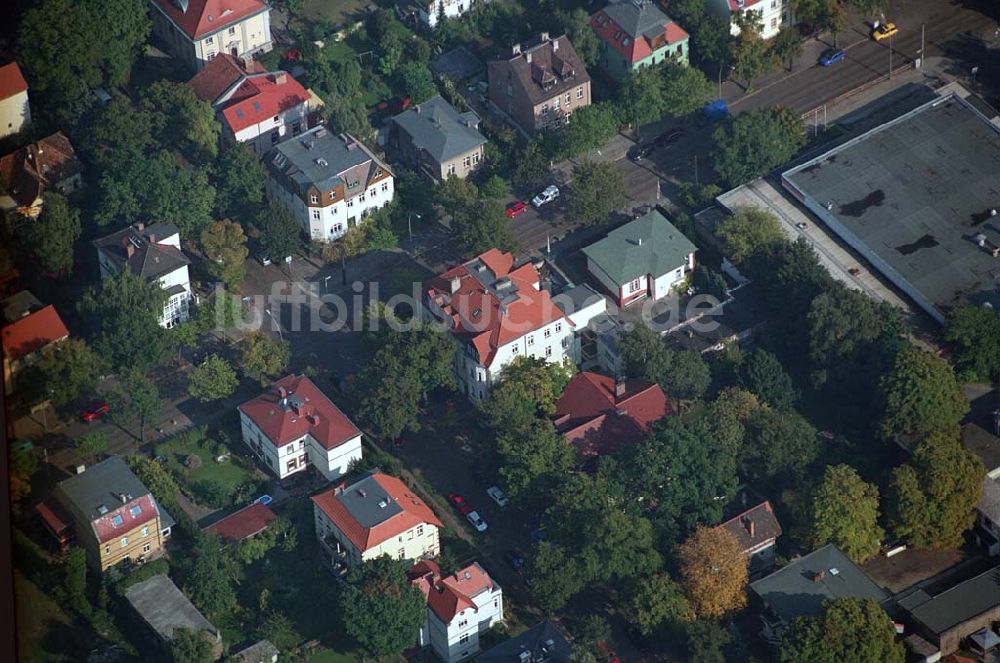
{"type": "Point", "coordinates": [515, 558]}
{"type": "Point", "coordinates": [831, 56]}
{"type": "Point", "coordinates": [668, 137]}
{"type": "Point", "coordinates": [640, 152]}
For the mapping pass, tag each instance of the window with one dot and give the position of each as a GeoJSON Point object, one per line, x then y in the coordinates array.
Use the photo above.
{"type": "Point", "coordinates": [409, 535]}
{"type": "Point", "coordinates": [338, 227]}
{"type": "Point", "coordinates": [146, 548]}
{"type": "Point", "coordinates": [314, 199]}
{"type": "Point", "coordinates": [465, 638]}
{"type": "Point", "coordinates": [145, 531]}
{"type": "Point", "coordinates": [774, 22]}
{"type": "Point", "coordinates": [565, 342]}
{"type": "Point", "coordinates": [292, 465]}
{"type": "Point", "coordinates": [124, 541]}
{"type": "Point", "coordinates": [569, 98]}
{"type": "Point", "coordinates": [274, 137]}
{"type": "Point", "coordinates": [555, 104]}
{"type": "Point", "coordinates": [296, 128]}
{"type": "Point", "coordinates": [515, 348]}
{"type": "Point", "coordinates": [475, 158]}
{"type": "Point", "coordinates": [548, 332]}
{"type": "Point", "coordinates": [633, 286]}
{"type": "Point", "coordinates": [548, 350]}
{"type": "Point", "coordinates": [464, 622]}
{"type": "Point", "coordinates": [361, 196]}
{"type": "Point", "coordinates": [579, 92]}
{"type": "Point", "coordinates": [315, 215]}
{"type": "Point", "coordinates": [136, 510]}
{"type": "Point", "coordinates": [402, 553]}
{"type": "Point", "coordinates": [531, 340]}
{"type": "Point", "coordinates": [385, 186]}
{"type": "Point", "coordinates": [209, 41]}
{"type": "Point", "coordinates": [545, 109]}
{"type": "Point", "coordinates": [420, 530]}
{"type": "Point", "coordinates": [558, 327]}
{"type": "Point", "coordinates": [107, 550]}
{"type": "Point", "coordinates": [350, 203]}
{"type": "Point", "coordinates": [451, 169]}
{"type": "Point", "coordinates": [232, 30]}
{"type": "Point", "coordinates": [117, 521]}
{"type": "Point", "coordinates": [467, 162]}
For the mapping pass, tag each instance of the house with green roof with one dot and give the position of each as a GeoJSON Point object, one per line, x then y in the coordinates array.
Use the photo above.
{"type": "Point", "coordinates": [646, 257]}
{"type": "Point", "coordinates": [438, 140]}
{"type": "Point", "coordinates": [635, 34]}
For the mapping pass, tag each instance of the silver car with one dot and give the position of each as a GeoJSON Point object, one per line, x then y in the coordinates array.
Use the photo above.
{"type": "Point", "coordinates": [551, 193]}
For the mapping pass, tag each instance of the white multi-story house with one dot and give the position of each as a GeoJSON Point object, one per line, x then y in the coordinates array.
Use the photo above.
{"type": "Point", "coordinates": [773, 14]}
{"type": "Point", "coordinates": [375, 516]}
{"type": "Point", "coordinates": [432, 11]}
{"type": "Point", "coordinates": [294, 425]}
{"type": "Point", "coordinates": [497, 312]}
{"type": "Point", "coordinates": [461, 607]}
{"type": "Point", "coordinates": [196, 31]}
{"type": "Point", "coordinates": [15, 113]}
{"type": "Point", "coordinates": [154, 254]}
{"type": "Point", "coordinates": [329, 182]}
{"type": "Point", "coordinates": [256, 107]}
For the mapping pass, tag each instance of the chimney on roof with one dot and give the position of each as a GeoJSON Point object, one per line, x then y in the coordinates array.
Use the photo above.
{"type": "Point", "coordinates": [819, 576]}
{"type": "Point", "coordinates": [152, 238]}
{"type": "Point", "coordinates": [339, 488]}
{"type": "Point", "coordinates": [619, 388]}
{"type": "Point", "coordinates": [455, 284]}
{"type": "Point", "coordinates": [280, 78]}
{"type": "Point", "coordinates": [751, 527]}
{"type": "Point", "coordinates": [640, 241]}
{"type": "Point", "coordinates": [123, 498]}
{"type": "Point", "coordinates": [515, 49]}
{"type": "Point", "coordinates": [282, 393]}
{"type": "Point", "coordinates": [545, 36]}
{"type": "Point", "coordinates": [527, 57]}
{"type": "Point", "coordinates": [140, 226]}
{"type": "Point", "coordinates": [555, 45]}
{"type": "Point", "coordinates": [313, 419]}
{"type": "Point", "coordinates": [130, 249]}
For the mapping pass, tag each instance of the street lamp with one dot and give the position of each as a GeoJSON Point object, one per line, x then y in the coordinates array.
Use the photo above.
{"type": "Point", "coordinates": [409, 225]}
{"type": "Point", "coordinates": [276, 323]}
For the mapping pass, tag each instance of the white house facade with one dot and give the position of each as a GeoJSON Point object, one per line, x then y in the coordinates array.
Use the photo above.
{"type": "Point", "coordinates": [432, 11]}
{"type": "Point", "coordinates": [196, 31]}
{"type": "Point", "coordinates": [773, 14]}
{"type": "Point", "coordinates": [15, 112]}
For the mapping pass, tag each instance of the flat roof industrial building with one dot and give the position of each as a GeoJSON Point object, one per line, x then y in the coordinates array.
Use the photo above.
{"type": "Point", "coordinates": [914, 197]}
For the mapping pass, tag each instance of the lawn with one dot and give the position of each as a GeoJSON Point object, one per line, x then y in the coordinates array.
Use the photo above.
{"type": "Point", "coordinates": [215, 483]}
{"type": "Point", "coordinates": [335, 11]}
{"type": "Point", "coordinates": [44, 630]}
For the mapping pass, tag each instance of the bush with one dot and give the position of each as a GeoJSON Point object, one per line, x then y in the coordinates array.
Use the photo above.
{"type": "Point", "coordinates": [142, 573]}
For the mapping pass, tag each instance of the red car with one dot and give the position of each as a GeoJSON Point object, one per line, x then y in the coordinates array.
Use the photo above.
{"type": "Point", "coordinates": [515, 208]}
{"type": "Point", "coordinates": [95, 411]}
{"type": "Point", "coordinates": [459, 502]}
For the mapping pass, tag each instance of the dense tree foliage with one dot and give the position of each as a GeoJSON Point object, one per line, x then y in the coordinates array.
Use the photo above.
{"type": "Point", "coordinates": [748, 232]}
{"type": "Point", "coordinates": [240, 177]}
{"type": "Point", "coordinates": [849, 629]}
{"type": "Point", "coordinates": [210, 582]}
{"type": "Point", "coordinates": [484, 226]}
{"type": "Point", "coordinates": [533, 461]}
{"type": "Point", "coordinates": [529, 387]}
{"type": "Point", "coordinates": [590, 128]}
{"type": "Point", "coordinates": [280, 233]}
{"type": "Point", "coordinates": [920, 395]}
{"type": "Point", "coordinates": [135, 399]}
{"type": "Point", "coordinates": [845, 513]}
{"type": "Point", "coordinates": [65, 374]}
{"type": "Point", "coordinates": [713, 572]}
{"type": "Point", "coordinates": [225, 247]}
{"type": "Point", "coordinates": [763, 375]}
{"type": "Point", "coordinates": [683, 374]}
{"type": "Point", "coordinates": [975, 333]}
{"type": "Point", "coordinates": [381, 610]}
{"type": "Point", "coordinates": [213, 379]}
{"type": "Point", "coordinates": [179, 120]}
{"type": "Point", "coordinates": [657, 603]}
{"type": "Point", "coordinates": [780, 449]}
{"type": "Point", "coordinates": [123, 313]}
{"type": "Point", "coordinates": [51, 237]}
{"type": "Point", "coordinates": [597, 190]}
{"type": "Point", "coordinates": [187, 646]}
{"type": "Point", "coordinates": [651, 93]}
{"type": "Point", "coordinates": [91, 445]}
{"type": "Point", "coordinates": [750, 144]}
{"type": "Point", "coordinates": [263, 358]}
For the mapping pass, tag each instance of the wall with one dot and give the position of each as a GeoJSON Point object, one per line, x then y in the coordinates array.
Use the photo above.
{"type": "Point", "coordinates": [113, 552]}
{"type": "Point", "coordinates": [331, 222]}
{"type": "Point", "coordinates": [15, 114]}
{"type": "Point", "coordinates": [251, 35]}
{"type": "Point", "coordinates": [446, 639]}
{"type": "Point", "coordinates": [333, 463]}
{"type": "Point", "coordinates": [261, 136]}
{"type": "Point", "coordinates": [414, 545]}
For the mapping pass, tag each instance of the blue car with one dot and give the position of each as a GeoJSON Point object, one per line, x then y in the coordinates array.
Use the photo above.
{"type": "Point", "coordinates": [831, 57]}
{"type": "Point", "coordinates": [263, 499]}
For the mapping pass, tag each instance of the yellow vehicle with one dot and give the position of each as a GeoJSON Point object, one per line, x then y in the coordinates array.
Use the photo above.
{"type": "Point", "coordinates": [884, 31]}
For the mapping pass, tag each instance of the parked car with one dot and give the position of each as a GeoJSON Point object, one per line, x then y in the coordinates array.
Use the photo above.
{"type": "Point", "coordinates": [263, 499]}
{"type": "Point", "coordinates": [551, 193]}
{"type": "Point", "coordinates": [515, 558]}
{"type": "Point", "coordinates": [476, 521]}
{"type": "Point", "coordinates": [831, 56]}
{"type": "Point", "coordinates": [801, 225]}
{"type": "Point", "coordinates": [95, 412]}
{"type": "Point", "coordinates": [668, 137]}
{"type": "Point", "coordinates": [516, 208]}
{"type": "Point", "coordinates": [884, 31]}
{"type": "Point", "coordinates": [459, 503]}
{"type": "Point", "coordinates": [261, 254]}
{"type": "Point", "coordinates": [640, 152]}
{"type": "Point", "coordinates": [497, 495]}
{"type": "Point", "coordinates": [607, 654]}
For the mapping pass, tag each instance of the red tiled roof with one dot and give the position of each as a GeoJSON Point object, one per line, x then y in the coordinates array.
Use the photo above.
{"type": "Point", "coordinates": [33, 332]}
{"type": "Point", "coordinates": [412, 512]}
{"type": "Point", "coordinates": [676, 33]}
{"type": "Point", "coordinates": [761, 519]}
{"type": "Point", "coordinates": [734, 5]}
{"type": "Point", "coordinates": [104, 526]}
{"type": "Point", "coordinates": [638, 46]}
{"type": "Point", "coordinates": [477, 314]}
{"type": "Point", "coordinates": [596, 421]}
{"type": "Point", "coordinates": [207, 16]}
{"type": "Point", "coordinates": [26, 171]}
{"type": "Point", "coordinates": [261, 97]}
{"type": "Point", "coordinates": [11, 81]}
{"type": "Point", "coordinates": [54, 516]}
{"type": "Point", "coordinates": [446, 597]}
{"type": "Point", "coordinates": [306, 409]}
{"type": "Point", "coordinates": [219, 74]}
{"type": "Point", "coordinates": [959, 658]}
{"type": "Point", "coordinates": [243, 524]}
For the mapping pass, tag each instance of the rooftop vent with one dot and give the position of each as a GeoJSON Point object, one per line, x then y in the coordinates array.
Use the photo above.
{"type": "Point", "coordinates": [101, 509]}
{"type": "Point", "coordinates": [524, 657]}
{"type": "Point", "coordinates": [362, 493]}
{"type": "Point", "coordinates": [321, 162]}
{"type": "Point", "coordinates": [321, 132]}
{"type": "Point", "coordinates": [382, 504]}
{"type": "Point", "coordinates": [834, 571]}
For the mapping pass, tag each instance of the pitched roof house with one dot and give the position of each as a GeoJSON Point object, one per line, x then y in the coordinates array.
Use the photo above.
{"type": "Point", "coordinates": [263, 651]}
{"type": "Point", "coordinates": [439, 140]}
{"type": "Point", "coordinates": [374, 516]}
{"type": "Point", "coordinates": [599, 415]}
{"type": "Point", "coordinates": [25, 338]}
{"type": "Point", "coordinates": [540, 84]}
{"type": "Point", "coordinates": [461, 607]}
{"type": "Point", "coordinates": [497, 311]}
{"type": "Point", "coordinates": [293, 425]}
{"type": "Point", "coordinates": [751, 520]}
{"type": "Point", "coordinates": [636, 33]}
{"type": "Point", "coordinates": [197, 31]}
{"type": "Point", "coordinates": [645, 257]}
{"type": "Point", "coordinates": [15, 112]}
{"type": "Point", "coordinates": [242, 524]}
{"type": "Point", "coordinates": [153, 253]}
{"type": "Point", "coordinates": [29, 171]}
{"type": "Point", "coordinates": [164, 609]}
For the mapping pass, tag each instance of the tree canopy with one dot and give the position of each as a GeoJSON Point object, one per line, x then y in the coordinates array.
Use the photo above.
{"type": "Point", "coordinates": [240, 177]}
{"type": "Point", "coordinates": [262, 358]}
{"type": "Point", "coordinates": [750, 144]}
{"type": "Point", "coordinates": [845, 513]}
{"type": "Point", "coordinates": [975, 333]}
{"type": "Point", "coordinates": [179, 120]}
{"type": "Point", "coordinates": [135, 399]}
{"type": "Point", "coordinates": [52, 236]}
{"type": "Point", "coordinates": [747, 232]}
{"type": "Point", "coordinates": [65, 374]}
{"type": "Point", "coordinates": [528, 387]}
{"type": "Point", "coordinates": [533, 461]}
{"type": "Point", "coordinates": [849, 629]}
{"type": "Point", "coordinates": [713, 572]}
{"type": "Point", "coordinates": [381, 610]}
{"type": "Point", "coordinates": [213, 379]}
{"type": "Point", "coordinates": [763, 375]}
{"type": "Point", "coordinates": [781, 447]}
{"type": "Point", "coordinates": [225, 247]}
{"type": "Point", "coordinates": [658, 602]}
{"type": "Point", "coordinates": [123, 313]}
{"type": "Point", "coordinates": [920, 395]}
{"type": "Point", "coordinates": [280, 233]}
{"type": "Point", "coordinates": [597, 190]}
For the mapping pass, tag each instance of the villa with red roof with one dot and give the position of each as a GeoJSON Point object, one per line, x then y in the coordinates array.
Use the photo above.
{"type": "Point", "coordinates": [461, 607]}
{"type": "Point", "coordinates": [497, 311]}
{"type": "Point", "coordinates": [294, 425]}
{"type": "Point", "coordinates": [24, 340]}
{"type": "Point", "coordinates": [635, 34]}
{"type": "Point", "coordinates": [197, 31]}
{"type": "Point", "coordinates": [376, 515]}
{"type": "Point", "coordinates": [752, 522]}
{"type": "Point", "coordinates": [256, 107]}
{"type": "Point", "coordinates": [15, 113]}
{"type": "Point", "coordinates": [49, 164]}
{"type": "Point", "coordinates": [773, 14]}
{"type": "Point", "coordinates": [599, 415]}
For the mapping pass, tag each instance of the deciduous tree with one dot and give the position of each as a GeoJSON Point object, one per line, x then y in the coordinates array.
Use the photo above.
{"type": "Point", "coordinates": [381, 610]}
{"type": "Point", "coordinates": [597, 190]}
{"type": "Point", "coordinates": [135, 400]}
{"type": "Point", "coordinates": [782, 447]}
{"type": "Point", "coordinates": [210, 582]}
{"type": "Point", "coordinates": [91, 445]}
{"type": "Point", "coordinates": [52, 236]}
{"type": "Point", "coordinates": [556, 576]}
{"type": "Point", "coordinates": [213, 379]}
{"type": "Point", "coordinates": [261, 357]}
{"type": "Point", "coordinates": [576, 25]}
{"type": "Point", "coordinates": [155, 477]}
{"type": "Point", "coordinates": [763, 375]}
{"type": "Point", "coordinates": [239, 181]}
{"type": "Point", "coordinates": [845, 513]}
{"type": "Point", "coordinates": [748, 231]}
{"type": "Point", "coordinates": [920, 395]}
{"type": "Point", "coordinates": [591, 127]}
{"type": "Point", "coordinates": [528, 387]}
{"type": "Point", "coordinates": [280, 233]}
{"type": "Point", "coordinates": [644, 354]}
{"type": "Point", "coordinates": [484, 226]}
{"type": "Point", "coordinates": [416, 81]}
{"type": "Point", "coordinates": [66, 373]}
{"type": "Point", "coordinates": [750, 54]}
{"type": "Point", "coordinates": [533, 461]}
{"type": "Point", "coordinates": [225, 247]}
{"type": "Point", "coordinates": [713, 571]}
{"type": "Point", "coordinates": [187, 646]}
{"type": "Point", "coordinates": [689, 376]}
{"type": "Point", "coordinates": [179, 120]}
{"type": "Point", "coordinates": [975, 333]}
{"type": "Point", "coordinates": [786, 46]}
{"type": "Point", "coordinates": [123, 313]}
{"type": "Point", "coordinates": [752, 143]}
{"type": "Point", "coordinates": [849, 629]}
{"type": "Point", "coordinates": [658, 602]}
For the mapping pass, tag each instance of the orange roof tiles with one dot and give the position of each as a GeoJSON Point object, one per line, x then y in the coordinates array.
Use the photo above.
{"type": "Point", "coordinates": [262, 97]}
{"type": "Point", "coordinates": [446, 597]}
{"type": "Point", "coordinates": [11, 81]}
{"type": "Point", "coordinates": [33, 332]}
{"type": "Point", "coordinates": [219, 74]}
{"type": "Point", "coordinates": [243, 524]}
{"type": "Point", "coordinates": [203, 17]}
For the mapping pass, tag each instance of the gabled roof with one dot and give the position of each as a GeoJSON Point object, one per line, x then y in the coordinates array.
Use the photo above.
{"type": "Point", "coordinates": [754, 525]}
{"type": "Point", "coordinates": [33, 332]}
{"type": "Point", "coordinates": [144, 250]}
{"type": "Point", "coordinates": [29, 170]}
{"type": "Point", "coordinates": [198, 18]}
{"type": "Point", "coordinates": [374, 509]}
{"type": "Point", "coordinates": [490, 302]}
{"type": "Point", "coordinates": [447, 597]}
{"type": "Point", "coordinates": [320, 159]}
{"type": "Point", "coordinates": [635, 28]}
{"type": "Point", "coordinates": [437, 128]}
{"type": "Point", "coordinates": [597, 421]}
{"type": "Point", "coordinates": [262, 96]}
{"type": "Point", "coordinates": [221, 73]}
{"type": "Point", "coordinates": [543, 642]}
{"type": "Point", "coordinates": [543, 68]}
{"type": "Point", "coordinates": [958, 604]}
{"type": "Point", "coordinates": [161, 605]}
{"type": "Point", "coordinates": [248, 521]}
{"type": "Point", "coordinates": [11, 81]}
{"type": "Point", "coordinates": [295, 406]}
{"type": "Point", "coordinates": [261, 652]}
{"type": "Point", "coordinates": [647, 245]}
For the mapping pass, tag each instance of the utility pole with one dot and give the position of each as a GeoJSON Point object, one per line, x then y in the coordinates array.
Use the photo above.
{"type": "Point", "coordinates": [890, 57]}
{"type": "Point", "coordinates": [922, 29]}
{"type": "Point", "coordinates": [696, 170]}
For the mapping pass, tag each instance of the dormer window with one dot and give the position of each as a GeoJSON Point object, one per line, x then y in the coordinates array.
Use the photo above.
{"type": "Point", "coordinates": [117, 521]}
{"type": "Point", "coordinates": [136, 511]}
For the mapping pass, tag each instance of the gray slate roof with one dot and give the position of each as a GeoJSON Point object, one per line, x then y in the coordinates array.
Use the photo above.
{"type": "Point", "coordinates": [956, 605]}
{"type": "Point", "coordinates": [102, 484]}
{"type": "Point", "coordinates": [637, 17]}
{"type": "Point", "coordinates": [647, 245]}
{"type": "Point", "coordinates": [149, 260]}
{"type": "Point", "coordinates": [793, 591]}
{"type": "Point", "coordinates": [323, 159]}
{"type": "Point", "coordinates": [261, 652]}
{"type": "Point", "coordinates": [165, 608]}
{"type": "Point", "coordinates": [536, 640]}
{"type": "Point", "coordinates": [436, 127]}
{"type": "Point", "coordinates": [364, 500]}
{"type": "Point", "coordinates": [560, 67]}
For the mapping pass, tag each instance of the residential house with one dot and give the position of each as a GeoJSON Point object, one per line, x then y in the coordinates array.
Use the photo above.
{"type": "Point", "coordinates": [582, 305]}
{"type": "Point", "coordinates": [772, 14]}
{"type": "Point", "coordinates": [461, 608]}
{"type": "Point", "coordinates": [646, 257]}
{"type": "Point", "coordinates": [438, 140]}
{"type": "Point", "coordinates": [256, 107]}
{"type": "Point", "coordinates": [112, 514]}
{"type": "Point", "coordinates": [197, 31]}
{"type": "Point", "coordinates": [242, 524]}
{"type": "Point", "coordinates": [260, 652]}
{"type": "Point", "coordinates": [981, 435]}
{"type": "Point", "coordinates": [329, 182]}
{"type": "Point", "coordinates": [542, 643]}
{"type": "Point", "coordinates": [25, 337]}
{"type": "Point", "coordinates": [374, 516]}
{"type": "Point", "coordinates": [497, 312]}
{"type": "Point", "coordinates": [26, 173]}
{"type": "Point", "coordinates": [600, 416]}
{"type": "Point", "coordinates": [164, 609]}
{"type": "Point", "coordinates": [800, 588]}
{"type": "Point", "coordinates": [432, 12]}
{"type": "Point", "coordinates": [540, 84]}
{"type": "Point", "coordinates": [635, 34]}
{"type": "Point", "coordinates": [294, 425]}
{"type": "Point", "coordinates": [15, 112]}
{"type": "Point", "coordinates": [963, 616]}
{"type": "Point", "coordinates": [154, 254]}
{"type": "Point", "coordinates": [751, 520]}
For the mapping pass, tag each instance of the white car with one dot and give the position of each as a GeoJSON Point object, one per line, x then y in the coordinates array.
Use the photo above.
{"type": "Point", "coordinates": [476, 521]}
{"type": "Point", "coordinates": [551, 193]}
{"type": "Point", "coordinates": [497, 496]}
